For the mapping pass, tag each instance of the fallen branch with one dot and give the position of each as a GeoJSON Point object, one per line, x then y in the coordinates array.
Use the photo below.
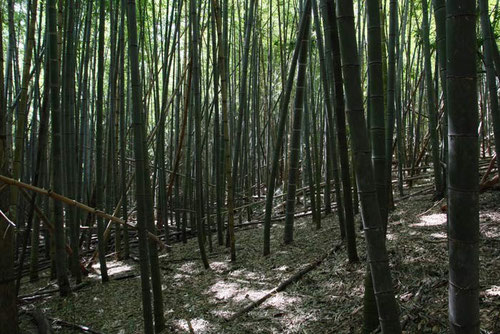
{"type": "Point", "coordinates": [488, 184]}
{"type": "Point", "coordinates": [74, 203]}
{"type": "Point", "coordinates": [414, 194]}
{"type": "Point", "coordinates": [488, 171]}
{"type": "Point", "coordinates": [7, 219]}
{"type": "Point", "coordinates": [124, 277]}
{"type": "Point", "coordinates": [430, 209]}
{"type": "Point", "coordinates": [81, 328]}
{"type": "Point", "coordinates": [51, 291]}
{"type": "Point", "coordinates": [283, 285]}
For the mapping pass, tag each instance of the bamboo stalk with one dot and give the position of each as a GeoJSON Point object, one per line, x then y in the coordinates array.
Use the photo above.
{"type": "Point", "coordinates": [74, 203]}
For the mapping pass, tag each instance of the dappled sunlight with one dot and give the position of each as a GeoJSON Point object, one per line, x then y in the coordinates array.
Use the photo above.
{"type": "Point", "coordinates": [114, 268]}
{"type": "Point", "coordinates": [190, 268]}
{"type": "Point", "coordinates": [197, 325]}
{"type": "Point", "coordinates": [219, 266]}
{"type": "Point", "coordinates": [282, 268]}
{"type": "Point", "coordinates": [391, 236]}
{"type": "Point", "coordinates": [224, 290]}
{"type": "Point", "coordinates": [282, 301]}
{"type": "Point", "coordinates": [435, 219]}
{"type": "Point", "coordinates": [439, 235]}
{"type": "Point", "coordinates": [242, 273]}
{"type": "Point", "coordinates": [491, 230]}
{"type": "Point", "coordinates": [180, 277]}
{"type": "Point", "coordinates": [249, 294]}
{"type": "Point", "coordinates": [225, 314]}
{"type": "Point", "coordinates": [186, 271]}
{"type": "Point", "coordinates": [493, 291]}
{"type": "Point", "coordinates": [491, 215]}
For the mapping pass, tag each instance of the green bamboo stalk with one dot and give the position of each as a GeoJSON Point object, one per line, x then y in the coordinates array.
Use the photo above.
{"type": "Point", "coordinates": [283, 112]}
{"type": "Point", "coordinates": [100, 143]}
{"type": "Point", "coordinates": [60, 254]}
{"type": "Point", "coordinates": [197, 129]}
{"type": "Point", "coordinates": [490, 75]}
{"type": "Point", "coordinates": [372, 220]}
{"type": "Point", "coordinates": [140, 170]}
{"type": "Point", "coordinates": [296, 131]}
{"type": "Point", "coordinates": [463, 182]}
{"type": "Point", "coordinates": [431, 105]}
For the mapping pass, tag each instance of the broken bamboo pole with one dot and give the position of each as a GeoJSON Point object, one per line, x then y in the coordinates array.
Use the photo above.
{"type": "Point", "coordinates": [283, 285]}
{"type": "Point", "coordinates": [74, 203]}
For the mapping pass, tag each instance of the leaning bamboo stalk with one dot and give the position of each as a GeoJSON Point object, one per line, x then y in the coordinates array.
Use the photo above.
{"type": "Point", "coordinates": [488, 171]}
{"type": "Point", "coordinates": [74, 203]}
{"type": "Point", "coordinates": [45, 220]}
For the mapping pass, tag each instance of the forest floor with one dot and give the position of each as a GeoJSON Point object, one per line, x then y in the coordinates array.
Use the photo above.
{"type": "Point", "coordinates": [328, 299]}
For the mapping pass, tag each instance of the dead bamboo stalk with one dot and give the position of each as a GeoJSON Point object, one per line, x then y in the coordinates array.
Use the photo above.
{"type": "Point", "coordinates": [74, 203]}
{"type": "Point", "coordinates": [488, 171]}
{"type": "Point", "coordinates": [283, 285]}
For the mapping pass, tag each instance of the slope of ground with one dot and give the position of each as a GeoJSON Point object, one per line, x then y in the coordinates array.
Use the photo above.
{"type": "Point", "coordinates": [326, 300]}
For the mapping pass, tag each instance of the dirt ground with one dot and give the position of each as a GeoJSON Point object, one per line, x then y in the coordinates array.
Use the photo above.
{"type": "Point", "coordinates": [326, 300]}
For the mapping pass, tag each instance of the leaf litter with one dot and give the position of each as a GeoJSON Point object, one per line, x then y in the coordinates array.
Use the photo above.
{"type": "Point", "coordinates": [328, 299]}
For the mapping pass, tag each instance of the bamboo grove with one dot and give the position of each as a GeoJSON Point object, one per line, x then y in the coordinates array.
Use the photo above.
{"type": "Point", "coordinates": [127, 126]}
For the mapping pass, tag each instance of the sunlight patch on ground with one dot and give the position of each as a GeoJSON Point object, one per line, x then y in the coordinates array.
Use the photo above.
{"type": "Point", "coordinates": [222, 313]}
{"type": "Point", "coordinates": [249, 294]}
{"type": "Point", "coordinates": [219, 266]}
{"type": "Point", "coordinates": [494, 291]}
{"type": "Point", "coordinates": [187, 270]}
{"type": "Point", "coordinates": [114, 268]}
{"type": "Point", "coordinates": [198, 325]}
{"type": "Point", "coordinates": [244, 274]}
{"type": "Point", "coordinates": [282, 268]}
{"type": "Point", "coordinates": [435, 219]}
{"type": "Point", "coordinates": [439, 235]}
{"type": "Point", "coordinates": [281, 301]}
{"type": "Point", "coordinates": [391, 236]}
{"type": "Point", "coordinates": [180, 277]}
{"type": "Point", "coordinates": [190, 268]}
{"type": "Point", "coordinates": [224, 290]}
{"type": "Point", "coordinates": [490, 231]}
{"type": "Point", "coordinates": [492, 215]}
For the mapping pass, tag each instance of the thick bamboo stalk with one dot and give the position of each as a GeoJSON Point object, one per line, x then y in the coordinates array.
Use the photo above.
{"type": "Point", "coordinates": [463, 181]}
